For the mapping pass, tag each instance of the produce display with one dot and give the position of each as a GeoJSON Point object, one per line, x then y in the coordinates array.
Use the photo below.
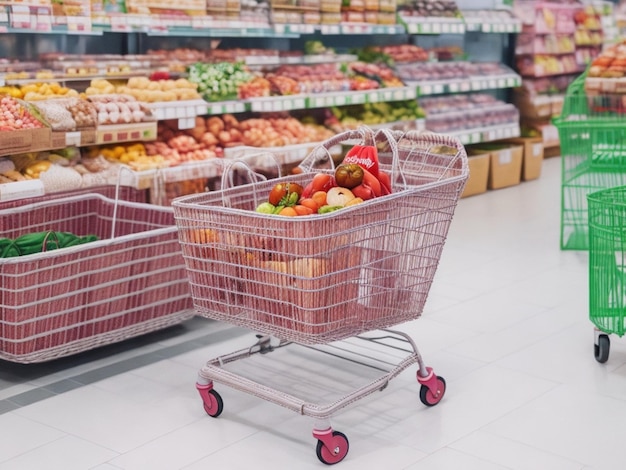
{"type": "Point", "coordinates": [357, 179]}
{"type": "Point", "coordinates": [373, 114]}
{"type": "Point", "coordinates": [438, 71]}
{"type": "Point", "coordinates": [316, 78]}
{"type": "Point", "coordinates": [429, 8]}
{"type": "Point", "coordinates": [404, 53]}
{"type": "Point", "coordinates": [39, 242]}
{"type": "Point", "coordinates": [219, 82]}
{"type": "Point", "coordinates": [133, 155]}
{"type": "Point", "coordinates": [38, 91]}
{"type": "Point", "coordinates": [120, 109]}
{"type": "Point", "coordinates": [17, 115]}
{"type": "Point", "coordinates": [146, 90]}
{"type": "Point", "coordinates": [383, 75]}
{"type": "Point", "coordinates": [611, 63]}
{"type": "Point", "coordinates": [68, 114]}
{"type": "Point", "coordinates": [462, 112]}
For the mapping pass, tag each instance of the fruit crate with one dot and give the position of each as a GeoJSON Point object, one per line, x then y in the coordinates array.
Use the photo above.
{"type": "Point", "coordinates": [592, 135]}
{"type": "Point", "coordinates": [60, 302]}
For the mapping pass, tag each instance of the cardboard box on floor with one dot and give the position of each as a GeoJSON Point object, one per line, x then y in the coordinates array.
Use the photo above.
{"type": "Point", "coordinates": [478, 163]}
{"type": "Point", "coordinates": [532, 159]}
{"type": "Point", "coordinates": [505, 166]}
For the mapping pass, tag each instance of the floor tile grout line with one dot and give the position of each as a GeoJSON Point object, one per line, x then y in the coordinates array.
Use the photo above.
{"type": "Point", "coordinates": [43, 392]}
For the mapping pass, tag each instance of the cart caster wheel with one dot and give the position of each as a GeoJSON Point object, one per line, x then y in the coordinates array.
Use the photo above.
{"type": "Point", "coordinates": [601, 350]}
{"type": "Point", "coordinates": [429, 398]}
{"type": "Point", "coordinates": [215, 406]}
{"type": "Point", "coordinates": [337, 453]}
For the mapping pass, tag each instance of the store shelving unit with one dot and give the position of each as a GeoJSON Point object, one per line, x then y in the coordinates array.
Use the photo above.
{"type": "Point", "coordinates": [132, 33]}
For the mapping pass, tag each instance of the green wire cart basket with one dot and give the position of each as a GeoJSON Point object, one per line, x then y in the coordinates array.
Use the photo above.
{"type": "Point", "coordinates": [607, 266]}
{"type": "Point", "coordinates": [592, 134]}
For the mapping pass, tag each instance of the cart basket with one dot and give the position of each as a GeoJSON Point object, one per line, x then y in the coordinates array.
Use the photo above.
{"type": "Point", "coordinates": [318, 278]}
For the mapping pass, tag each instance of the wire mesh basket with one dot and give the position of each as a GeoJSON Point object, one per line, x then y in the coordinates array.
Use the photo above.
{"type": "Point", "coordinates": [130, 281]}
{"type": "Point", "coordinates": [592, 135]}
{"type": "Point", "coordinates": [607, 259]}
{"type": "Point", "coordinates": [319, 278]}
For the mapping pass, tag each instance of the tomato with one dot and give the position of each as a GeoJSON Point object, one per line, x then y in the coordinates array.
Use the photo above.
{"type": "Point", "coordinates": [288, 211]}
{"type": "Point", "coordinates": [320, 198]}
{"type": "Point", "coordinates": [285, 194]}
{"type": "Point", "coordinates": [303, 210]}
{"type": "Point", "coordinates": [320, 182]}
{"type": "Point", "coordinates": [385, 181]}
{"type": "Point", "coordinates": [363, 191]}
{"type": "Point", "coordinates": [310, 202]}
{"type": "Point", "coordinates": [349, 175]}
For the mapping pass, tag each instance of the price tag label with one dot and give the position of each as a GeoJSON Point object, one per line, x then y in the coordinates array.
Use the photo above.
{"type": "Point", "coordinates": [438, 88]}
{"type": "Point", "coordinates": [299, 103]}
{"type": "Point", "coordinates": [505, 157]}
{"type": "Point", "coordinates": [537, 149]}
{"type": "Point", "coordinates": [491, 84]}
{"type": "Point", "coordinates": [340, 100]}
{"type": "Point", "coordinates": [426, 90]}
{"type": "Point", "coordinates": [438, 28]}
{"type": "Point", "coordinates": [465, 139]}
{"type": "Point", "coordinates": [400, 95]}
{"type": "Point", "coordinates": [20, 17]}
{"type": "Point", "coordinates": [501, 83]}
{"type": "Point", "coordinates": [78, 24]}
{"type": "Point", "coordinates": [465, 86]}
{"type": "Point", "coordinates": [373, 97]}
{"type": "Point", "coordinates": [186, 123]}
{"type": "Point", "coordinates": [120, 24]}
{"type": "Point", "coordinates": [170, 113]}
{"type": "Point", "coordinates": [486, 28]}
{"type": "Point", "coordinates": [21, 190]}
{"type": "Point", "coordinates": [453, 87]}
{"type": "Point", "coordinates": [279, 105]}
{"type": "Point", "coordinates": [72, 139]}
{"type": "Point", "coordinates": [476, 137]}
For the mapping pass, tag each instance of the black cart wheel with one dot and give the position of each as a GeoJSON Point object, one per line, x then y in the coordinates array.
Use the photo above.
{"type": "Point", "coordinates": [431, 399]}
{"type": "Point", "coordinates": [601, 350]}
{"type": "Point", "coordinates": [337, 453]}
{"type": "Point", "coordinates": [216, 405]}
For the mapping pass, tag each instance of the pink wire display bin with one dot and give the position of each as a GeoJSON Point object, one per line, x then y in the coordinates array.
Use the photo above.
{"type": "Point", "coordinates": [129, 282]}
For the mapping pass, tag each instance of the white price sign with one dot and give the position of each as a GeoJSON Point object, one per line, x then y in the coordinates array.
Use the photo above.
{"type": "Point", "coordinates": [72, 139]}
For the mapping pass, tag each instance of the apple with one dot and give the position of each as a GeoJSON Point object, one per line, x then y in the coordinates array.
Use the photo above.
{"type": "Point", "coordinates": [339, 196]}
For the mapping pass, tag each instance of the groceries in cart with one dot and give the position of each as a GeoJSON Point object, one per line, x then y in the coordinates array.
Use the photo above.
{"type": "Point", "coordinates": [357, 179]}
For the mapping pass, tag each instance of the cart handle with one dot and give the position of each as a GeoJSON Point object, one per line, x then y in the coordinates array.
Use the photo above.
{"type": "Point", "coordinates": [253, 176]}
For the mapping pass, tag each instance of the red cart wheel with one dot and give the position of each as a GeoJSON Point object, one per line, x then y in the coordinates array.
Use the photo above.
{"type": "Point", "coordinates": [337, 453]}
{"type": "Point", "coordinates": [429, 398]}
{"type": "Point", "coordinates": [215, 405]}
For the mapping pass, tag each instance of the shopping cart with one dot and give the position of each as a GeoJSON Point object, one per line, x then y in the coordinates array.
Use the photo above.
{"type": "Point", "coordinates": [593, 154]}
{"type": "Point", "coordinates": [317, 282]}
{"type": "Point", "coordinates": [607, 266]}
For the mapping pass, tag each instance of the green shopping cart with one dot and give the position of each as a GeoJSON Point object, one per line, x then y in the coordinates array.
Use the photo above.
{"type": "Point", "coordinates": [607, 266]}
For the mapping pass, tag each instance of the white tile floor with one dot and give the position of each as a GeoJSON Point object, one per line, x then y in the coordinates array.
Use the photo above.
{"type": "Point", "coordinates": [506, 324]}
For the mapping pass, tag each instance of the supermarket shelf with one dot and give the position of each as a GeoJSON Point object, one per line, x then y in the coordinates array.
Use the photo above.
{"type": "Point", "coordinates": [143, 131]}
{"type": "Point", "coordinates": [278, 103]}
{"type": "Point", "coordinates": [224, 107]}
{"type": "Point", "coordinates": [464, 85]}
{"type": "Point", "coordinates": [479, 25]}
{"type": "Point", "coordinates": [307, 101]}
{"type": "Point", "coordinates": [343, 98]}
{"type": "Point", "coordinates": [420, 25]}
{"type": "Point", "coordinates": [72, 78]}
{"type": "Point", "coordinates": [486, 134]}
{"type": "Point", "coordinates": [178, 109]}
